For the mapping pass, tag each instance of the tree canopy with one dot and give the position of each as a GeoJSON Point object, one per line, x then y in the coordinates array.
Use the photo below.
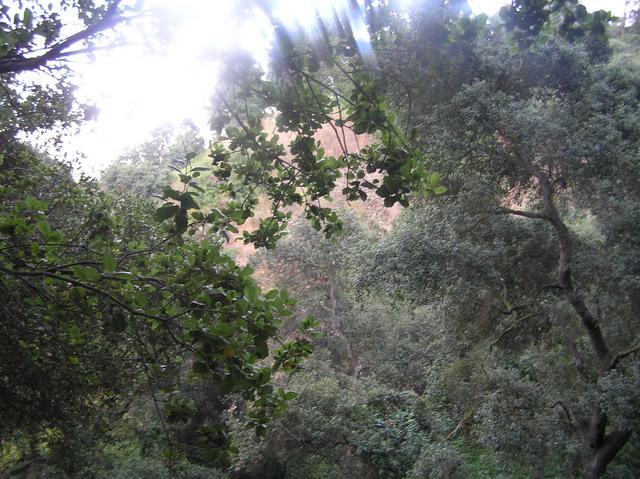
{"type": "Point", "coordinates": [498, 314]}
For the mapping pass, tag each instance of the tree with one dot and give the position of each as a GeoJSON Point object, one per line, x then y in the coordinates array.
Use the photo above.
{"type": "Point", "coordinates": [537, 127]}
{"type": "Point", "coordinates": [356, 413]}
{"type": "Point", "coordinates": [518, 109]}
{"type": "Point", "coordinates": [92, 287]}
{"type": "Point", "coordinates": [33, 25]}
{"type": "Point", "coordinates": [100, 302]}
{"type": "Point", "coordinates": [34, 37]}
{"type": "Point", "coordinates": [528, 119]}
{"type": "Point", "coordinates": [144, 170]}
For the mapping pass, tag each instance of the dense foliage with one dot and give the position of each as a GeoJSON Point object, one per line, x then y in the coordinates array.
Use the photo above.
{"type": "Point", "coordinates": [142, 171]}
{"type": "Point", "coordinates": [491, 330]}
{"type": "Point", "coordinates": [103, 305]}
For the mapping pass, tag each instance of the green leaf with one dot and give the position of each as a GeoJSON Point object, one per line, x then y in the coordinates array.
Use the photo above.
{"type": "Point", "coordinates": [35, 204]}
{"type": "Point", "coordinates": [187, 202]}
{"type": "Point", "coordinates": [251, 292]}
{"type": "Point", "coordinates": [141, 300]}
{"type": "Point", "coordinates": [435, 178]}
{"type": "Point", "coordinates": [86, 273]}
{"type": "Point", "coordinates": [200, 368]}
{"type": "Point", "coordinates": [262, 349]}
{"type": "Point", "coordinates": [44, 228]}
{"type": "Point", "coordinates": [171, 193]}
{"type": "Point", "coordinates": [74, 334]}
{"type": "Point", "coordinates": [77, 294]}
{"type": "Point", "coordinates": [27, 18]}
{"type": "Point", "coordinates": [166, 211]}
{"type": "Point", "coordinates": [109, 263]}
{"type": "Point", "coordinates": [264, 375]}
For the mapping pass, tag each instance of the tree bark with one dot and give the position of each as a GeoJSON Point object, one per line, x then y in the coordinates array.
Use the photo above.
{"type": "Point", "coordinates": [611, 445]}
{"type": "Point", "coordinates": [564, 273]}
{"type": "Point", "coordinates": [352, 360]}
{"type": "Point", "coordinates": [593, 330]}
{"type": "Point", "coordinates": [592, 429]}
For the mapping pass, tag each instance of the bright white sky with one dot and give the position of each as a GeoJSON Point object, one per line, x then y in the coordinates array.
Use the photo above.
{"type": "Point", "coordinates": [137, 89]}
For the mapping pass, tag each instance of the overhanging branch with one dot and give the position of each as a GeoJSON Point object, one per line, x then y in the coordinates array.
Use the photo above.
{"type": "Point", "coordinates": [18, 64]}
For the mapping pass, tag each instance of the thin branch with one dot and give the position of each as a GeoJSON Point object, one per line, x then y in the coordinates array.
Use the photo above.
{"type": "Point", "coordinates": [566, 412]}
{"type": "Point", "coordinates": [526, 214]}
{"type": "Point", "coordinates": [511, 328]}
{"type": "Point", "coordinates": [143, 351]}
{"type": "Point", "coordinates": [620, 356]}
{"type": "Point", "coordinates": [92, 49]}
{"type": "Point", "coordinates": [75, 282]}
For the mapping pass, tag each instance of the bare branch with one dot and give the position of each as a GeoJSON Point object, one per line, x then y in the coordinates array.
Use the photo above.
{"type": "Point", "coordinates": [565, 410]}
{"type": "Point", "coordinates": [465, 418]}
{"type": "Point", "coordinates": [620, 356]}
{"type": "Point", "coordinates": [526, 214]}
{"type": "Point", "coordinates": [511, 328]}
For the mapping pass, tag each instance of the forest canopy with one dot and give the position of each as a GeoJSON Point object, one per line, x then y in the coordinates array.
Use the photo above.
{"type": "Point", "coordinates": [409, 250]}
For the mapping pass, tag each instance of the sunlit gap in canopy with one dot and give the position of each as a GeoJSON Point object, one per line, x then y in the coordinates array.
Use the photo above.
{"type": "Point", "coordinates": [171, 78]}
{"type": "Point", "coordinates": [305, 16]}
{"type": "Point", "coordinates": [165, 77]}
{"type": "Point", "coordinates": [476, 7]}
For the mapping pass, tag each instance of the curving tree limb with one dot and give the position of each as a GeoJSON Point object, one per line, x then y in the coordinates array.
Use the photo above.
{"type": "Point", "coordinates": [16, 64]}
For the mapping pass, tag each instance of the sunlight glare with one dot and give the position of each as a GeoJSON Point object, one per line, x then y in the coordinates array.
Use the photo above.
{"type": "Point", "coordinates": [303, 14]}
{"type": "Point", "coordinates": [138, 88]}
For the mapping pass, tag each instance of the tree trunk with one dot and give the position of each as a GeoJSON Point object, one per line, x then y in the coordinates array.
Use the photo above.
{"type": "Point", "coordinates": [593, 430]}
{"type": "Point", "coordinates": [607, 450]}
{"type": "Point", "coordinates": [354, 367]}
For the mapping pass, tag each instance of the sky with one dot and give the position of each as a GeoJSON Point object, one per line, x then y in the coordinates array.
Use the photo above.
{"type": "Point", "coordinates": [140, 87]}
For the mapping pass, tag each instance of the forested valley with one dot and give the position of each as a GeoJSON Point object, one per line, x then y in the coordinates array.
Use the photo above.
{"type": "Point", "coordinates": [410, 248]}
